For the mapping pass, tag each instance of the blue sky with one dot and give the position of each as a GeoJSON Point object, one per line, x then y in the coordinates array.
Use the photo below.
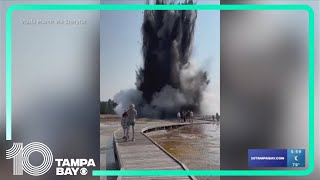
{"type": "Point", "coordinates": [120, 49]}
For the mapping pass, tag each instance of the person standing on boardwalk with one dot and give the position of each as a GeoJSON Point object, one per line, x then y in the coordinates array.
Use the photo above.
{"type": "Point", "coordinates": [124, 124]}
{"type": "Point", "coordinates": [178, 117]}
{"type": "Point", "coordinates": [184, 116]}
{"type": "Point", "coordinates": [132, 114]}
{"type": "Point", "coordinates": [191, 117]}
{"type": "Point", "coordinates": [217, 117]}
{"type": "Point", "coordinates": [188, 116]}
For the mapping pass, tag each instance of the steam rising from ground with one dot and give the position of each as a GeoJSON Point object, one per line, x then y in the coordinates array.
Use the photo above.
{"type": "Point", "coordinates": [168, 82]}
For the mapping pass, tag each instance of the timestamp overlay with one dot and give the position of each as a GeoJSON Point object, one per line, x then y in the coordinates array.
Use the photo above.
{"type": "Point", "coordinates": [281, 7]}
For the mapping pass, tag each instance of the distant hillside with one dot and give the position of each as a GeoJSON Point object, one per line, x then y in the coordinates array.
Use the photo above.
{"type": "Point", "coordinates": [107, 107]}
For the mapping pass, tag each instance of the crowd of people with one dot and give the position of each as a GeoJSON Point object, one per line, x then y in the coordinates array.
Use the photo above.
{"type": "Point", "coordinates": [128, 120]}
{"type": "Point", "coordinates": [188, 116]}
{"type": "Point", "coordinates": [216, 118]}
{"type": "Point", "coordinates": [185, 116]}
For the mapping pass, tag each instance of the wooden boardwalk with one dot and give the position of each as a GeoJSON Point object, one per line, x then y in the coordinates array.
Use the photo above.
{"type": "Point", "coordinates": [143, 154]}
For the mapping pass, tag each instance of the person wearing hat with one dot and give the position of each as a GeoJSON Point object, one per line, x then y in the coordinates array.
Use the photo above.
{"type": "Point", "coordinates": [132, 114]}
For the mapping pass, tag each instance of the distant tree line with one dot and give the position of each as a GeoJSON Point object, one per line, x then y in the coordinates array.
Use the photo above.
{"type": "Point", "coordinates": [107, 107]}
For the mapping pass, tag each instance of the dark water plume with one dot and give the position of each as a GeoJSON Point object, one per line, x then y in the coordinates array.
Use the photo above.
{"type": "Point", "coordinates": [167, 80]}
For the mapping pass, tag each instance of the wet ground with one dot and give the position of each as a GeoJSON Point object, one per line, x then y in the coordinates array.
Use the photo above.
{"type": "Point", "coordinates": [197, 146]}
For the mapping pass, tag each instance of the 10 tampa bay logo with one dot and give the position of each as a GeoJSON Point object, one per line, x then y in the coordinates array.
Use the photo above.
{"type": "Point", "coordinates": [21, 158]}
{"type": "Point", "coordinates": [21, 161]}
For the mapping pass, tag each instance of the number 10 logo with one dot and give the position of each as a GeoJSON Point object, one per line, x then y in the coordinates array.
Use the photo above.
{"type": "Point", "coordinates": [21, 158]}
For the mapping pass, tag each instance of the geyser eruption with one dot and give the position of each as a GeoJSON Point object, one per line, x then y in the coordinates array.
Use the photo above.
{"type": "Point", "coordinates": [168, 82]}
